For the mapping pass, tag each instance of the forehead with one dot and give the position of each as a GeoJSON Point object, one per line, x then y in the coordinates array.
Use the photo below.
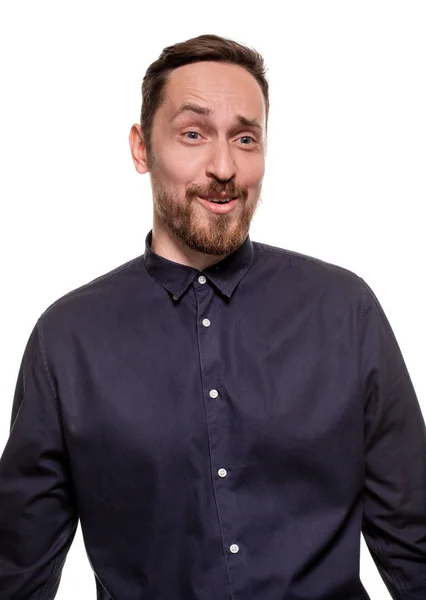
{"type": "Point", "coordinates": [220, 87]}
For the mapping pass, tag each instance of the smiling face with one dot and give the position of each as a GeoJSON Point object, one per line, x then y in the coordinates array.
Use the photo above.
{"type": "Point", "coordinates": [208, 138]}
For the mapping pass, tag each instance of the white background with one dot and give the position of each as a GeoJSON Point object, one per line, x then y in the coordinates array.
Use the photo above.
{"type": "Point", "coordinates": [345, 172]}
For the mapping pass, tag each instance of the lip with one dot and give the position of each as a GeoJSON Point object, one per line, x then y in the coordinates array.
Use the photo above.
{"type": "Point", "coordinates": [221, 195]}
{"type": "Point", "coordinates": [218, 209]}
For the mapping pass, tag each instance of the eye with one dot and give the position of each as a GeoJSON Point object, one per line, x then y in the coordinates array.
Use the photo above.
{"type": "Point", "coordinates": [191, 132]}
{"type": "Point", "coordinates": [247, 137]}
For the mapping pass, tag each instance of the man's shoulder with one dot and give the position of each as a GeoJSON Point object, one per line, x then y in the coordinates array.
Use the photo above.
{"type": "Point", "coordinates": [318, 271]}
{"type": "Point", "coordinates": [108, 289]}
{"type": "Point", "coordinates": [294, 259]}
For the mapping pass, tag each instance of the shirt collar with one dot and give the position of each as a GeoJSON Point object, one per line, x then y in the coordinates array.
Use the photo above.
{"type": "Point", "coordinates": [175, 277]}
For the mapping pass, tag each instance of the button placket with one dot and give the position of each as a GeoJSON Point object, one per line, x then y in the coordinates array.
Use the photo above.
{"type": "Point", "coordinates": [210, 362]}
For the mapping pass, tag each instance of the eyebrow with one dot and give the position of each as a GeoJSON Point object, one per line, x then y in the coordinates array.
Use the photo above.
{"type": "Point", "coordinates": [206, 112]}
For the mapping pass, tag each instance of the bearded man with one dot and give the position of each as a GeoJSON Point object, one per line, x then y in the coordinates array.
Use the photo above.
{"type": "Point", "coordinates": [223, 416]}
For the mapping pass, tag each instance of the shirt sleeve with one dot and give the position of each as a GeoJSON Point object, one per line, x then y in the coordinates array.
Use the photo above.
{"type": "Point", "coordinates": [38, 516]}
{"type": "Point", "coordinates": [394, 500]}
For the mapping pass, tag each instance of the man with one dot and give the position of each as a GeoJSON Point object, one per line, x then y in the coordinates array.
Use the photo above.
{"type": "Point", "coordinates": [224, 416]}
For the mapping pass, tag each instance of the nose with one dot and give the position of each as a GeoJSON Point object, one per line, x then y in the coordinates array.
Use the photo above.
{"type": "Point", "coordinates": [221, 163]}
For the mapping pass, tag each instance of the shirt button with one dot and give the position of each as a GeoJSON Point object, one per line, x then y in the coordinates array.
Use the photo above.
{"type": "Point", "coordinates": [213, 393]}
{"type": "Point", "coordinates": [206, 322]}
{"type": "Point", "coordinates": [222, 472]}
{"type": "Point", "coordinates": [202, 279]}
{"type": "Point", "coordinates": [175, 297]}
{"type": "Point", "coordinates": [234, 548]}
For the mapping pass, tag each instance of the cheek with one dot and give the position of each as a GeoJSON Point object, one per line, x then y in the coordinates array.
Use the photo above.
{"type": "Point", "coordinates": [178, 167]}
{"type": "Point", "coordinates": [253, 172]}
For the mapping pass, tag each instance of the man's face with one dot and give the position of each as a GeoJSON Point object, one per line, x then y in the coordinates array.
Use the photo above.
{"type": "Point", "coordinates": [197, 155]}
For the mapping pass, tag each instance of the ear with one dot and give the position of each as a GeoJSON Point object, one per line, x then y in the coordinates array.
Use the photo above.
{"type": "Point", "coordinates": [138, 149]}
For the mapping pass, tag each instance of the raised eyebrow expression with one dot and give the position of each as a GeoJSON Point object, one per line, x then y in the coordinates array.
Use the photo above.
{"type": "Point", "coordinates": [206, 112]}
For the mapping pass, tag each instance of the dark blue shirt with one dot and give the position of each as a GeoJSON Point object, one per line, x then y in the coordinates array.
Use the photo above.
{"type": "Point", "coordinates": [221, 435]}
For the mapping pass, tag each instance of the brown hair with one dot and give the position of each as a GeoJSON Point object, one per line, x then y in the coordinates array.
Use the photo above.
{"type": "Point", "coordinates": [208, 47]}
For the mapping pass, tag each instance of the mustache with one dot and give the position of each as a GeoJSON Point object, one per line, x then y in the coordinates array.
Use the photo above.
{"type": "Point", "coordinates": [229, 191]}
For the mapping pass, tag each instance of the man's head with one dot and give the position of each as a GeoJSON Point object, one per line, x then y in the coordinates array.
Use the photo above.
{"type": "Point", "coordinates": [203, 132]}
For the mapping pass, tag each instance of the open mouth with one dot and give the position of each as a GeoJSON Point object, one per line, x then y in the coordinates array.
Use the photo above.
{"type": "Point", "coordinates": [219, 200]}
{"type": "Point", "coordinates": [219, 206]}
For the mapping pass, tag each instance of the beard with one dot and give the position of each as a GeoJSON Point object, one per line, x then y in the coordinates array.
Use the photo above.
{"type": "Point", "coordinates": [210, 233]}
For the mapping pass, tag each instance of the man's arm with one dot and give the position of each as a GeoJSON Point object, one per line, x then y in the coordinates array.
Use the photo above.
{"type": "Point", "coordinates": [38, 516]}
{"type": "Point", "coordinates": [394, 513]}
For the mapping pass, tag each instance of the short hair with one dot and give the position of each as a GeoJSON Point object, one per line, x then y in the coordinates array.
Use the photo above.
{"type": "Point", "coordinates": [207, 47]}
